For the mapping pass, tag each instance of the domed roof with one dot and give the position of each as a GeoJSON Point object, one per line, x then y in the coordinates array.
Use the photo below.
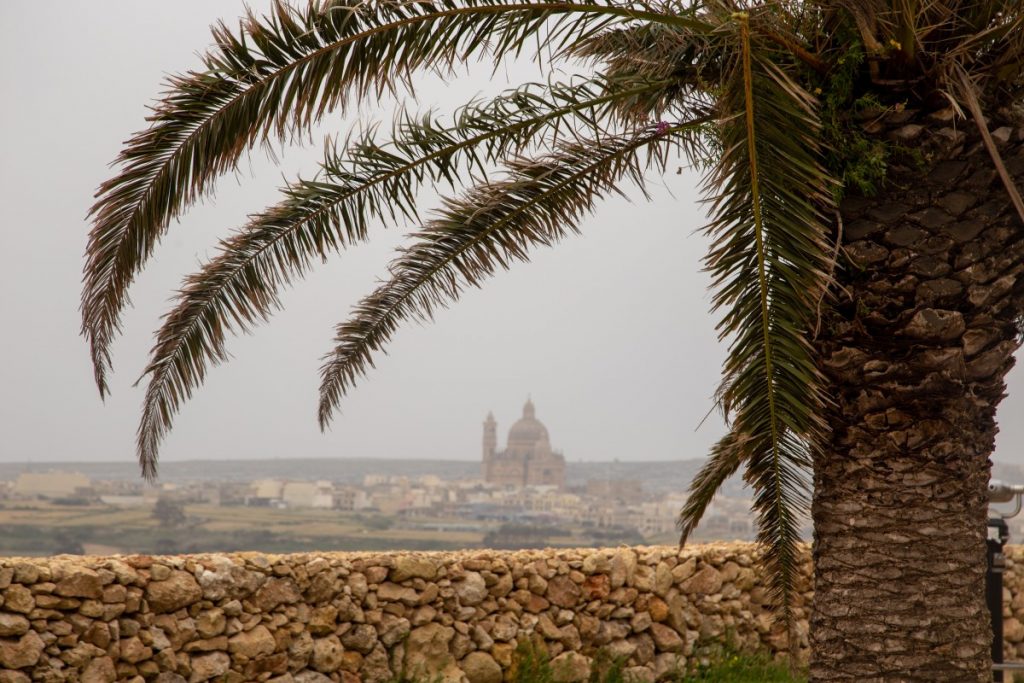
{"type": "Point", "coordinates": [527, 430]}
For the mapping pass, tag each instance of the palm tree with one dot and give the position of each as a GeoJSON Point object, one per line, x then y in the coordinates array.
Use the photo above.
{"type": "Point", "coordinates": [860, 159]}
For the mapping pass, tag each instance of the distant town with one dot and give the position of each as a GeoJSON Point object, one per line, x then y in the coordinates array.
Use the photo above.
{"type": "Point", "coordinates": [525, 495]}
{"type": "Point", "coordinates": [521, 496]}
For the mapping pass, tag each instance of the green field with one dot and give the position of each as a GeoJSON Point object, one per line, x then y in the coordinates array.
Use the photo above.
{"type": "Point", "coordinates": [43, 528]}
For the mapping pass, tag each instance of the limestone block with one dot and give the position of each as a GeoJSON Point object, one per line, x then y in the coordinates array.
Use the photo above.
{"type": "Point", "coordinates": [362, 639]}
{"type": "Point", "coordinates": [1013, 630]}
{"type": "Point", "coordinates": [205, 667]}
{"type": "Point", "coordinates": [99, 670]}
{"type": "Point", "coordinates": [80, 582]}
{"type": "Point", "coordinates": [502, 587]}
{"type": "Point", "coordinates": [596, 562]}
{"type": "Point", "coordinates": [481, 667]}
{"type": "Point", "coordinates": [179, 590]}
{"type": "Point", "coordinates": [393, 630]}
{"type": "Point", "coordinates": [570, 667]}
{"type": "Point", "coordinates": [275, 592]}
{"type": "Point", "coordinates": [210, 623]}
{"type": "Point", "coordinates": [23, 652]}
{"type": "Point", "coordinates": [327, 654]}
{"type": "Point", "coordinates": [705, 582]}
{"type": "Point", "coordinates": [133, 650]}
{"type": "Point", "coordinates": [562, 591]}
{"type": "Point", "coordinates": [666, 639]}
{"type": "Point", "coordinates": [427, 648]}
{"type": "Point", "coordinates": [472, 589]}
{"type": "Point", "coordinates": [17, 598]}
{"type": "Point", "coordinates": [622, 567]}
{"type": "Point", "coordinates": [255, 643]}
{"type": "Point", "coordinates": [12, 624]}
{"type": "Point", "coordinates": [24, 573]}
{"type": "Point", "coordinates": [413, 566]}
{"type": "Point", "coordinates": [392, 592]}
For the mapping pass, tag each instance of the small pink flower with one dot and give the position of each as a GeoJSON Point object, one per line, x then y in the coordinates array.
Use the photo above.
{"type": "Point", "coordinates": [662, 127]}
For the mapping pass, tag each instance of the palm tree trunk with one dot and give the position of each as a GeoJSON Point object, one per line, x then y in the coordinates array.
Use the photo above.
{"type": "Point", "coordinates": [916, 348]}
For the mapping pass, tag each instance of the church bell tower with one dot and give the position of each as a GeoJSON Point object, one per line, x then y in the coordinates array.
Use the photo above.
{"type": "Point", "coordinates": [490, 444]}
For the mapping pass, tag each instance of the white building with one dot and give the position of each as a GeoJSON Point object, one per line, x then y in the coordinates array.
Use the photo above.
{"type": "Point", "coordinates": [308, 494]}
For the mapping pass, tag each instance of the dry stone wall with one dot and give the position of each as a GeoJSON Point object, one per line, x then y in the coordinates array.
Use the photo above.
{"type": "Point", "coordinates": [1013, 604]}
{"type": "Point", "coordinates": [364, 617]}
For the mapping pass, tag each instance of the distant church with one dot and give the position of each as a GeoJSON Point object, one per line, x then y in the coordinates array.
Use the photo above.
{"type": "Point", "coordinates": [527, 459]}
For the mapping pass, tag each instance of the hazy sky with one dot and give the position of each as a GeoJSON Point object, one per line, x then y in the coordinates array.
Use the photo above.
{"type": "Point", "coordinates": [609, 331]}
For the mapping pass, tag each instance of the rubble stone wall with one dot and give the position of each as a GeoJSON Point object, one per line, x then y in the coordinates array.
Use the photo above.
{"type": "Point", "coordinates": [351, 617]}
{"type": "Point", "coordinates": [1013, 604]}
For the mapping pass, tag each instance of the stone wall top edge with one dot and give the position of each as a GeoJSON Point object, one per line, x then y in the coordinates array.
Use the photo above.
{"type": "Point", "coordinates": [719, 548]}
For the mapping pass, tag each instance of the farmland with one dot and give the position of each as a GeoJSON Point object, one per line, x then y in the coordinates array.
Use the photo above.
{"type": "Point", "coordinates": [44, 528]}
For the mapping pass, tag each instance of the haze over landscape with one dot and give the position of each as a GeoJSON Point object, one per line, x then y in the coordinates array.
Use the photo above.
{"type": "Point", "coordinates": [536, 484]}
{"type": "Point", "coordinates": [610, 332]}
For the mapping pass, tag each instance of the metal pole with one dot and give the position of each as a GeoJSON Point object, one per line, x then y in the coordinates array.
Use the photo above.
{"type": "Point", "coordinates": [994, 589]}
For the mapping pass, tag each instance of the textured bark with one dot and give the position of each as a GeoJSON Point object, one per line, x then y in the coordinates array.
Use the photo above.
{"type": "Point", "coordinates": [915, 348]}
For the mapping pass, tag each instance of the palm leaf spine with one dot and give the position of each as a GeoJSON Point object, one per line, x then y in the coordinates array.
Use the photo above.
{"type": "Point", "coordinates": [781, 509]}
{"type": "Point", "coordinates": [755, 191]}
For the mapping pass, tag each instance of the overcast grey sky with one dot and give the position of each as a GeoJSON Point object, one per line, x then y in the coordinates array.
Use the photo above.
{"type": "Point", "coordinates": [609, 331]}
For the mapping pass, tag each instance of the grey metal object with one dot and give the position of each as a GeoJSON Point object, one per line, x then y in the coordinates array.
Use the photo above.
{"type": "Point", "coordinates": [1001, 492]}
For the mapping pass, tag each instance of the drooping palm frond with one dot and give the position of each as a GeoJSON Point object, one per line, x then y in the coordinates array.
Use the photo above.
{"type": "Point", "coordinates": [495, 224]}
{"type": "Point", "coordinates": [273, 79]}
{"type": "Point", "coordinates": [769, 265]}
{"type": "Point", "coordinates": [723, 462]}
{"type": "Point", "coordinates": [369, 181]}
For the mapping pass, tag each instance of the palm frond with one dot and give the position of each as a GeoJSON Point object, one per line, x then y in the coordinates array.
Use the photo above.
{"type": "Point", "coordinates": [493, 225]}
{"type": "Point", "coordinates": [648, 50]}
{"type": "Point", "coordinates": [369, 181]}
{"type": "Point", "coordinates": [769, 264]}
{"type": "Point", "coordinates": [273, 79]}
{"type": "Point", "coordinates": [989, 44]}
{"type": "Point", "coordinates": [653, 52]}
{"type": "Point", "coordinates": [723, 462]}
{"type": "Point", "coordinates": [985, 35]}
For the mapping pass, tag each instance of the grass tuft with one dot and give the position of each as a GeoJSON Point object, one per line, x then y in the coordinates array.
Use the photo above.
{"type": "Point", "coordinates": [726, 665]}
{"type": "Point", "coordinates": [736, 667]}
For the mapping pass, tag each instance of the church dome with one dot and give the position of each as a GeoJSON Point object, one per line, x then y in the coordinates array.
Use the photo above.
{"type": "Point", "coordinates": [527, 430]}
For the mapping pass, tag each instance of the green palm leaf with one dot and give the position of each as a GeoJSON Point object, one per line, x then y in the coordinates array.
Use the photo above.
{"type": "Point", "coordinates": [723, 462]}
{"type": "Point", "coordinates": [769, 266]}
{"type": "Point", "coordinates": [496, 223]}
{"type": "Point", "coordinates": [275, 78]}
{"type": "Point", "coordinates": [368, 181]}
